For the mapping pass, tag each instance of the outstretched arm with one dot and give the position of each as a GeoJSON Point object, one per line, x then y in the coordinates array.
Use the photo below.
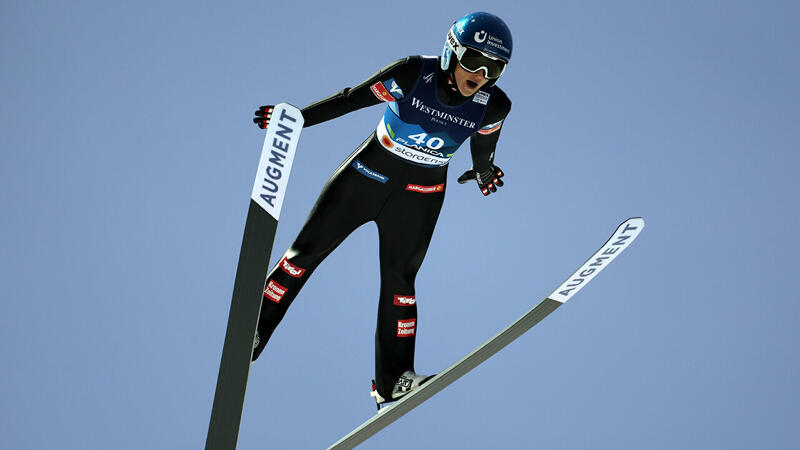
{"type": "Point", "coordinates": [374, 90]}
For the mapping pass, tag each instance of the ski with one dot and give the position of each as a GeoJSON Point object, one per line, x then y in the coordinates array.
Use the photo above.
{"type": "Point", "coordinates": [619, 241]}
{"type": "Point", "coordinates": [266, 200]}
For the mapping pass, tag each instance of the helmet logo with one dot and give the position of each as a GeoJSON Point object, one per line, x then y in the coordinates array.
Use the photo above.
{"type": "Point", "coordinates": [451, 39]}
{"type": "Point", "coordinates": [480, 36]}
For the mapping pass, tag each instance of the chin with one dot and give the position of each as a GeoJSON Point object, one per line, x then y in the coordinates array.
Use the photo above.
{"type": "Point", "coordinates": [467, 91]}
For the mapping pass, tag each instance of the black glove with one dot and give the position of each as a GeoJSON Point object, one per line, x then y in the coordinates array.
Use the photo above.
{"type": "Point", "coordinates": [488, 180]}
{"type": "Point", "coordinates": [263, 115]}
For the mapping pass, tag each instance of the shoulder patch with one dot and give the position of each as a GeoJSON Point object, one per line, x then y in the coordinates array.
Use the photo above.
{"type": "Point", "coordinates": [394, 89]}
{"type": "Point", "coordinates": [387, 91]}
{"type": "Point", "coordinates": [381, 92]}
{"type": "Point", "coordinates": [491, 128]}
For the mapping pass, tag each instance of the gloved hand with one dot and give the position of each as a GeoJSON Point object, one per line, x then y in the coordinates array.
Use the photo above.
{"type": "Point", "coordinates": [488, 180]}
{"type": "Point", "coordinates": [263, 115]}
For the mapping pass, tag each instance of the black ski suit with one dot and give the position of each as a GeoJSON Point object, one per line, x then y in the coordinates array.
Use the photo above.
{"type": "Point", "coordinates": [403, 195]}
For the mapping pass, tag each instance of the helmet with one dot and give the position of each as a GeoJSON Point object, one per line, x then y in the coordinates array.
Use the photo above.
{"type": "Point", "coordinates": [479, 41]}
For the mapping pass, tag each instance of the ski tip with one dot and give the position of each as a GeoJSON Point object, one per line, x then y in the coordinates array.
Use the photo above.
{"type": "Point", "coordinates": [289, 107]}
{"type": "Point", "coordinates": [633, 226]}
{"type": "Point", "coordinates": [634, 221]}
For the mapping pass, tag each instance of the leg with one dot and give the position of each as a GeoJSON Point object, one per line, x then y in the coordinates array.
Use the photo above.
{"type": "Point", "coordinates": [347, 201]}
{"type": "Point", "coordinates": [405, 227]}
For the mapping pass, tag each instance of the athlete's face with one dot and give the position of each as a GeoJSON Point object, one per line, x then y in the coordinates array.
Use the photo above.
{"type": "Point", "coordinates": [468, 83]}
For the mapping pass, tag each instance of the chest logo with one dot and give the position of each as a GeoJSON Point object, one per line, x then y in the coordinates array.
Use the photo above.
{"type": "Point", "coordinates": [481, 97]}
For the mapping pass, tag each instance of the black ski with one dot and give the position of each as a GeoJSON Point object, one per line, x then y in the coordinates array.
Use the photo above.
{"type": "Point", "coordinates": [619, 241]}
{"type": "Point", "coordinates": [266, 201]}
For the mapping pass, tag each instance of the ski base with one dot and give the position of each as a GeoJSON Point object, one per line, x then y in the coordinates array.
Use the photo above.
{"type": "Point", "coordinates": [266, 199]}
{"type": "Point", "coordinates": [619, 241]}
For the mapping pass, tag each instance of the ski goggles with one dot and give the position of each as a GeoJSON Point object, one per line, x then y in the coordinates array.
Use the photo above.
{"type": "Point", "coordinates": [473, 61]}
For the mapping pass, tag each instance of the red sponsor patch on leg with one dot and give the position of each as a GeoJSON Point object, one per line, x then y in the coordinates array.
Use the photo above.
{"type": "Point", "coordinates": [425, 189]}
{"type": "Point", "coordinates": [405, 300]}
{"type": "Point", "coordinates": [274, 291]}
{"type": "Point", "coordinates": [406, 327]}
{"type": "Point", "coordinates": [291, 269]}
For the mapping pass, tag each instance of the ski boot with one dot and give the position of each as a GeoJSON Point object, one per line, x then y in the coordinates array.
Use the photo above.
{"type": "Point", "coordinates": [407, 382]}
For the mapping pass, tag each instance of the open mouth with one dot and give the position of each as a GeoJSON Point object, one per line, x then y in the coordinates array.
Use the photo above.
{"type": "Point", "coordinates": [472, 84]}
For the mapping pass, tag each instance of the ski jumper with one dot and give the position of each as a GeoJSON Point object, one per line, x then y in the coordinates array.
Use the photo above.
{"type": "Point", "coordinates": [396, 178]}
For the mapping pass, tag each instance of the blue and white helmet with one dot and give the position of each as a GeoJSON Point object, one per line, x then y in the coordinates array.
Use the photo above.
{"type": "Point", "coordinates": [482, 32]}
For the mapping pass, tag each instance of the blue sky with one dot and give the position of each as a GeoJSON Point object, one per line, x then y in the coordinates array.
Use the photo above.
{"type": "Point", "coordinates": [128, 156]}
